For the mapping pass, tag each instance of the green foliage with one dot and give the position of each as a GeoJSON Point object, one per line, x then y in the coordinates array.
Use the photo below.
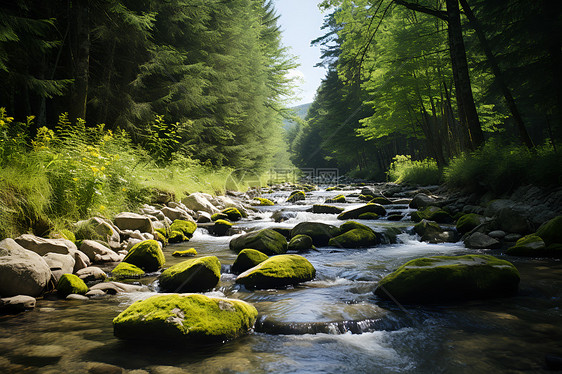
{"type": "Point", "coordinates": [404, 170]}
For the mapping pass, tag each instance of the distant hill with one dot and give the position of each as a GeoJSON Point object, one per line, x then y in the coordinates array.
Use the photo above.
{"type": "Point", "coordinates": [301, 111]}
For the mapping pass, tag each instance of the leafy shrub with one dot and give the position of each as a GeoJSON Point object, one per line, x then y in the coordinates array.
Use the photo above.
{"type": "Point", "coordinates": [404, 170]}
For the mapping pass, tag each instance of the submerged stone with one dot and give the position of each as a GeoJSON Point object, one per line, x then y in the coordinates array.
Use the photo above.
{"type": "Point", "coordinates": [277, 272]}
{"type": "Point", "coordinates": [195, 275]}
{"type": "Point", "coordinates": [446, 278]}
{"type": "Point", "coordinates": [551, 231]}
{"type": "Point", "coordinates": [264, 201]}
{"type": "Point", "coordinates": [188, 318]}
{"type": "Point", "coordinates": [326, 209]}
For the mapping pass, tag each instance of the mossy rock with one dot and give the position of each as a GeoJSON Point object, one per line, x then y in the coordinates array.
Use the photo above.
{"type": "Point", "coordinates": [529, 246]}
{"type": "Point", "coordinates": [195, 275]}
{"type": "Point", "coordinates": [355, 235]}
{"type": "Point", "coordinates": [380, 200]}
{"type": "Point", "coordinates": [320, 233]}
{"type": "Point", "coordinates": [267, 241]}
{"type": "Point", "coordinates": [300, 243]}
{"type": "Point", "coordinates": [126, 270]}
{"type": "Point", "coordinates": [390, 235]}
{"type": "Point", "coordinates": [469, 222]}
{"type": "Point", "coordinates": [447, 278]}
{"type": "Point", "coordinates": [333, 188]}
{"type": "Point", "coordinates": [264, 202]}
{"type": "Point", "coordinates": [163, 231]}
{"type": "Point", "coordinates": [366, 197]}
{"type": "Point", "coordinates": [187, 227]}
{"type": "Point", "coordinates": [296, 196]}
{"type": "Point", "coordinates": [278, 272]}
{"type": "Point", "coordinates": [430, 231]}
{"type": "Point", "coordinates": [177, 237]}
{"type": "Point", "coordinates": [217, 216]}
{"type": "Point", "coordinates": [339, 199]}
{"type": "Point", "coordinates": [147, 255]}
{"type": "Point", "coordinates": [369, 208]}
{"type": "Point", "coordinates": [285, 231]}
{"type": "Point", "coordinates": [232, 213]}
{"type": "Point", "coordinates": [161, 238]}
{"type": "Point", "coordinates": [186, 253]}
{"type": "Point", "coordinates": [551, 231]}
{"type": "Point", "coordinates": [326, 209]}
{"type": "Point", "coordinates": [369, 215]}
{"type": "Point", "coordinates": [71, 284]}
{"type": "Point", "coordinates": [192, 319]}
{"type": "Point", "coordinates": [247, 259]}
{"type": "Point", "coordinates": [221, 227]}
{"type": "Point", "coordinates": [432, 213]}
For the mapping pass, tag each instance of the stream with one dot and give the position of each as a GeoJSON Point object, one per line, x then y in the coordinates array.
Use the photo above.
{"type": "Point", "coordinates": [333, 324]}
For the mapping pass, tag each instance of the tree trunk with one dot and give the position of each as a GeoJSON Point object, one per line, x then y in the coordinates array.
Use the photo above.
{"type": "Point", "coordinates": [465, 100]}
{"type": "Point", "coordinates": [500, 81]}
{"type": "Point", "coordinates": [80, 58]}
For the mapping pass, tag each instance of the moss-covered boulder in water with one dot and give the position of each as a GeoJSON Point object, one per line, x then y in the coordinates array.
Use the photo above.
{"type": "Point", "coordinates": [355, 235]}
{"type": "Point", "coordinates": [185, 253]}
{"type": "Point", "coordinates": [551, 231]}
{"type": "Point", "coordinates": [300, 243]}
{"type": "Point", "coordinates": [326, 209]}
{"type": "Point", "coordinates": [366, 197]}
{"type": "Point", "coordinates": [195, 275]}
{"type": "Point", "coordinates": [232, 213]}
{"type": "Point", "coordinates": [264, 201]}
{"type": "Point", "coordinates": [277, 272]}
{"type": "Point", "coordinates": [431, 232]}
{"type": "Point", "coordinates": [296, 196]}
{"type": "Point", "coordinates": [187, 318]}
{"type": "Point", "coordinates": [321, 233]}
{"type": "Point", "coordinates": [468, 222]}
{"type": "Point", "coordinates": [380, 200]}
{"type": "Point", "coordinates": [126, 270]}
{"type": "Point", "coordinates": [369, 208]}
{"type": "Point", "coordinates": [217, 216]}
{"type": "Point", "coordinates": [147, 255]}
{"type": "Point", "coordinates": [446, 278]}
{"type": "Point", "coordinates": [529, 246]}
{"type": "Point", "coordinates": [71, 284]}
{"type": "Point", "coordinates": [432, 213]}
{"type": "Point", "coordinates": [368, 215]}
{"type": "Point", "coordinates": [186, 227]}
{"type": "Point", "coordinates": [221, 227]}
{"type": "Point", "coordinates": [267, 241]}
{"type": "Point", "coordinates": [339, 199]}
{"type": "Point", "coordinates": [177, 237]}
{"type": "Point", "coordinates": [247, 259]}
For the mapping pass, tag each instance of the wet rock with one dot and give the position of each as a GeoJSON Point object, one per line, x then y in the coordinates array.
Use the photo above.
{"type": "Point", "coordinates": [98, 252]}
{"type": "Point", "coordinates": [494, 206]}
{"type": "Point", "coordinates": [296, 196]}
{"type": "Point", "coordinates": [446, 278]}
{"type": "Point", "coordinates": [22, 272]}
{"type": "Point", "coordinates": [103, 368]}
{"type": "Point", "coordinates": [326, 209]}
{"type": "Point", "coordinates": [233, 214]}
{"type": "Point", "coordinates": [113, 288]}
{"type": "Point", "coordinates": [38, 355]}
{"type": "Point", "coordinates": [189, 318]}
{"type": "Point", "coordinates": [320, 233]}
{"type": "Point", "coordinates": [134, 221]}
{"type": "Point", "coordinates": [195, 275]}
{"type": "Point", "coordinates": [497, 234]}
{"type": "Point", "coordinates": [217, 216]}
{"type": "Point", "coordinates": [355, 235]}
{"type": "Point", "coordinates": [469, 222]}
{"type": "Point", "coordinates": [267, 241]}
{"type": "Point", "coordinates": [479, 240]}
{"type": "Point", "coordinates": [203, 217]}
{"type": "Point", "coordinates": [394, 217]}
{"type": "Point", "coordinates": [185, 253]}
{"type": "Point", "coordinates": [16, 304]}
{"type": "Point", "coordinates": [77, 297]}
{"type": "Point", "coordinates": [91, 274]}
{"type": "Point", "coordinates": [512, 220]}
{"type": "Point", "coordinates": [433, 233]}
{"type": "Point", "coordinates": [59, 264]}
{"type": "Point", "coordinates": [551, 231]}
{"type": "Point", "coordinates": [278, 272]}
{"type": "Point", "coordinates": [198, 201]}
{"type": "Point", "coordinates": [95, 293]}
{"type": "Point", "coordinates": [147, 255]}
{"type": "Point", "coordinates": [125, 270]}
{"type": "Point", "coordinates": [300, 243]}
{"type": "Point", "coordinates": [512, 237]}
{"type": "Point", "coordinates": [69, 284]}
{"type": "Point", "coordinates": [221, 228]}
{"type": "Point", "coordinates": [285, 231]}
{"type": "Point", "coordinates": [339, 199]}
{"type": "Point", "coordinates": [533, 246]}
{"type": "Point", "coordinates": [381, 200]}
{"type": "Point", "coordinates": [247, 259]}
{"type": "Point", "coordinates": [422, 200]}
{"type": "Point", "coordinates": [264, 201]}
{"type": "Point", "coordinates": [187, 228]}
{"type": "Point", "coordinates": [369, 208]}
{"type": "Point", "coordinates": [281, 216]}
{"type": "Point", "coordinates": [432, 213]}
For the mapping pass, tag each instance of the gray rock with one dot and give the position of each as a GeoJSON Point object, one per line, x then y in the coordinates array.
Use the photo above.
{"type": "Point", "coordinates": [495, 206]}
{"type": "Point", "coordinates": [113, 288]}
{"type": "Point", "coordinates": [38, 355]}
{"type": "Point", "coordinates": [433, 233]}
{"type": "Point", "coordinates": [280, 216]}
{"type": "Point", "coordinates": [203, 217]}
{"type": "Point", "coordinates": [42, 246]}
{"type": "Point", "coordinates": [497, 234]}
{"type": "Point", "coordinates": [16, 304]}
{"type": "Point", "coordinates": [97, 252]}
{"type": "Point", "coordinates": [510, 219]}
{"type": "Point", "coordinates": [176, 213]}
{"type": "Point", "coordinates": [134, 221]}
{"type": "Point", "coordinates": [422, 200]}
{"type": "Point", "coordinates": [198, 201]}
{"type": "Point", "coordinates": [22, 272]}
{"type": "Point", "coordinates": [95, 293]}
{"type": "Point", "coordinates": [91, 274]}
{"type": "Point", "coordinates": [74, 296]}
{"type": "Point", "coordinates": [479, 240]}
{"type": "Point", "coordinates": [59, 264]}
{"type": "Point", "coordinates": [512, 237]}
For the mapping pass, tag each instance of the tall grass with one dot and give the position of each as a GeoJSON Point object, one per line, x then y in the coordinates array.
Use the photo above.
{"type": "Point", "coordinates": [405, 170]}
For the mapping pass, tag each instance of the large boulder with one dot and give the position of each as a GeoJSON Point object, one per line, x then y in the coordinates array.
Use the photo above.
{"type": "Point", "coordinates": [296, 196]}
{"type": "Point", "coordinates": [431, 232]}
{"type": "Point", "coordinates": [300, 243]}
{"type": "Point", "coordinates": [469, 222]}
{"type": "Point", "coordinates": [97, 228]}
{"type": "Point", "coordinates": [277, 272]}
{"type": "Point", "coordinates": [125, 270]}
{"type": "Point", "coordinates": [511, 219]}
{"type": "Point", "coordinates": [91, 274]}
{"type": "Point", "coordinates": [267, 241]}
{"type": "Point", "coordinates": [22, 272]}
{"type": "Point", "coordinates": [220, 227]}
{"type": "Point", "coordinates": [71, 284]}
{"type": "Point", "coordinates": [188, 318]}
{"type": "Point", "coordinates": [43, 246]}
{"type": "Point", "coordinates": [195, 275]}
{"type": "Point", "coordinates": [534, 246]}
{"type": "Point", "coordinates": [355, 235]}
{"type": "Point", "coordinates": [551, 231]}
{"type": "Point", "coordinates": [368, 208]}
{"type": "Point", "coordinates": [176, 213]}
{"type": "Point", "coordinates": [59, 264]}
{"type": "Point", "coordinates": [432, 213]}
{"type": "Point", "coordinates": [185, 227]}
{"type": "Point", "coordinates": [134, 221]}
{"type": "Point", "coordinates": [479, 240]}
{"type": "Point", "coordinates": [446, 278]}
{"type": "Point", "coordinates": [422, 200]}
{"type": "Point", "coordinates": [147, 255]}
{"type": "Point", "coordinates": [326, 209]}
{"type": "Point", "coordinates": [247, 259]}
{"type": "Point", "coordinates": [321, 233]}
{"type": "Point", "coordinates": [198, 201]}
{"type": "Point", "coordinates": [98, 252]}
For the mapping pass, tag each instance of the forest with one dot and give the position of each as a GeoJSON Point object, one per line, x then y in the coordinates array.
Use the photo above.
{"type": "Point", "coordinates": [432, 82]}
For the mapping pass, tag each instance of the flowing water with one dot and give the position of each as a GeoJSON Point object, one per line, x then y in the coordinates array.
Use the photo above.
{"type": "Point", "coordinates": [333, 324]}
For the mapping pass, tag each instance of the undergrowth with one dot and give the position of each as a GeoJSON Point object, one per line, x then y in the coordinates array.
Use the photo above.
{"type": "Point", "coordinates": [405, 170]}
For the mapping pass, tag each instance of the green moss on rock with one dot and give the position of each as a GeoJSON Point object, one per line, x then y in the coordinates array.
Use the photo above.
{"type": "Point", "coordinates": [71, 284]}
{"type": "Point", "coordinates": [267, 241]}
{"type": "Point", "coordinates": [366, 197]}
{"type": "Point", "coordinates": [469, 222]}
{"type": "Point", "coordinates": [528, 246]}
{"type": "Point", "coordinates": [368, 208]}
{"type": "Point", "coordinates": [446, 278]}
{"type": "Point", "coordinates": [380, 200]}
{"type": "Point", "coordinates": [186, 253]}
{"type": "Point", "coordinates": [300, 243]}
{"type": "Point", "coordinates": [368, 216]}
{"type": "Point", "coordinates": [296, 196]}
{"type": "Point", "coordinates": [551, 231]}
{"type": "Point", "coordinates": [355, 238]}
{"type": "Point", "coordinates": [221, 227]}
{"type": "Point", "coordinates": [326, 209]}
{"type": "Point", "coordinates": [187, 318]}
{"type": "Point", "coordinates": [126, 270]}
{"type": "Point", "coordinates": [195, 275]}
{"type": "Point", "coordinates": [232, 213]}
{"type": "Point", "coordinates": [320, 233]}
{"type": "Point", "coordinates": [147, 255]}
{"type": "Point", "coordinates": [339, 199]}
{"type": "Point", "coordinates": [277, 272]}
{"type": "Point", "coordinates": [186, 227]}
{"type": "Point", "coordinates": [432, 213]}
{"type": "Point", "coordinates": [177, 237]}
{"type": "Point", "coordinates": [264, 202]}
{"type": "Point", "coordinates": [217, 216]}
{"type": "Point", "coordinates": [247, 259]}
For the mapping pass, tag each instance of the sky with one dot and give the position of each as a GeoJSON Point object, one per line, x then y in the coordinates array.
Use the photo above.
{"type": "Point", "coordinates": [300, 23]}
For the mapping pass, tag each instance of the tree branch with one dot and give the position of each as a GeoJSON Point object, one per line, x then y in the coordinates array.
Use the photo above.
{"type": "Point", "coordinates": [423, 9]}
